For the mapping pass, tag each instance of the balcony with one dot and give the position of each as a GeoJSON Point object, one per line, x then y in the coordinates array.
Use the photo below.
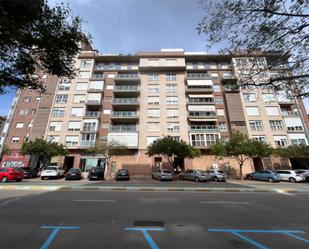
{"type": "Point", "coordinates": [290, 114]}
{"type": "Point", "coordinates": [199, 89]}
{"type": "Point", "coordinates": [89, 129]}
{"type": "Point", "coordinates": [204, 144]}
{"type": "Point", "coordinates": [125, 101]}
{"type": "Point", "coordinates": [198, 76]}
{"type": "Point", "coordinates": [97, 76]}
{"type": "Point", "coordinates": [92, 114]}
{"type": "Point", "coordinates": [116, 67]}
{"type": "Point", "coordinates": [127, 77]}
{"type": "Point", "coordinates": [204, 128]}
{"type": "Point", "coordinates": [123, 128]}
{"type": "Point", "coordinates": [229, 77]}
{"type": "Point", "coordinates": [202, 115]}
{"type": "Point", "coordinates": [95, 90]}
{"type": "Point", "coordinates": [231, 88]}
{"type": "Point", "coordinates": [126, 88]}
{"type": "Point", "coordinates": [87, 143]}
{"type": "Point", "coordinates": [124, 115]}
{"type": "Point", "coordinates": [200, 101]}
{"type": "Point", "coordinates": [93, 102]}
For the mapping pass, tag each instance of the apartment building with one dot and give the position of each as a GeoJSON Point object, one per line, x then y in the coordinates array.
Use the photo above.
{"type": "Point", "coordinates": [136, 99]}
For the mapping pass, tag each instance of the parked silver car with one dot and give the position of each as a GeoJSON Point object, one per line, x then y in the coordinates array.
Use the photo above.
{"type": "Point", "coordinates": [216, 175]}
{"type": "Point", "coordinates": [304, 173]}
{"type": "Point", "coordinates": [291, 176]}
{"type": "Point", "coordinates": [194, 175]}
{"type": "Point", "coordinates": [162, 174]}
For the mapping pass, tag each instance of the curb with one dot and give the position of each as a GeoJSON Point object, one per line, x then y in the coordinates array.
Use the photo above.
{"type": "Point", "coordinates": [150, 189]}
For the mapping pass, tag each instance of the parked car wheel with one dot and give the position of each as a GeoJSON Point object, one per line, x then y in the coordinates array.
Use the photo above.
{"type": "Point", "coordinates": [4, 179]}
{"type": "Point", "coordinates": [249, 178]}
{"type": "Point", "coordinates": [18, 180]}
{"type": "Point", "coordinates": [196, 179]}
{"type": "Point", "coordinates": [180, 178]}
{"type": "Point", "coordinates": [216, 179]}
{"type": "Point", "coordinates": [291, 179]}
{"type": "Point", "coordinates": [42, 178]}
{"type": "Point", "coordinates": [270, 179]}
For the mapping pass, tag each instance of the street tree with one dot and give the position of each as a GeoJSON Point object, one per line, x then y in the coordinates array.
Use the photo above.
{"type": "Point", "coordinates": [172, 150]}
{"type": "Point", "coordinates": [241, 148]}
{"type": "Point", "coordinates": [36, 37]}
{"type": "Point", "coordinates": [297, 152]}
{"type": "Point", "coordinates": [107, 150]}
{"type": "Point", "coordinates": [41, 151]}
{"type": "Point", "coordinates": [279, 27]}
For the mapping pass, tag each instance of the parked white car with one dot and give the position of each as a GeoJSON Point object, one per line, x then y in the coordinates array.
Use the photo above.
{"type": "Point", "coordinates": [52, 172]}
{"type": "Point", "coordinates": [303, 172]}
{"type": "Point", "coordinates": [290, 175]}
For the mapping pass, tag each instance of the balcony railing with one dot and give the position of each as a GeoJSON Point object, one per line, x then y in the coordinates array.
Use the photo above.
{"type": "Point", "coordinates": [228, 76]}
{"type": "Point", "coordinates": [231, 88]}
{"type": "Point", "coordinates": [92, 114]}
{"type": "Point", "coordinates": [127, 76]}
{"type": "Point", "coordinates": [87, 143]}
{"type": "Point", "coordinates": [125, 101]}
{"type": "Point", "coordinates": [89, 129]}
{"type": "Point", "coordinates": [208, 128]}
{"type": "Point", "coordinates": [201, 101]}
{"type": "Point", "coordinates": [123, 128]}
{"type": "Point", "coordinates": [199, 88]}
{"type": "Point", "coordinates": [97, 76]}
{"type": "Point", "coordinates": [71, 143]}
{"type": "Point", "coordinates": [124, 114]}
{"type": "Point", "coordinates": [129, 88]}
{"type": "Point", "coordinates": [290, 113]}
{"type": "Point", "coordinates": [93, 102]}
{"type": "Point", "coordinates": [197, 76]}
{"type": "Point", "coordinates": [196, 114]}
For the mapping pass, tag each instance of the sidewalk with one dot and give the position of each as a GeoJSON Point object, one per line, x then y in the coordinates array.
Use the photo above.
{"type": "Point", "coordinates": [147, 184]}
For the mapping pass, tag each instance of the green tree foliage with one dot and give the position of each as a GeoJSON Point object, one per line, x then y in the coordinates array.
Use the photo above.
{"type": "Point", "coordinates": [293, 151]}
{"type": "Point", "coordinates": [171, 149]}
{"type": "Point", "coordinates": [36, 37]}
{"type": "Point", "coordinates": [43, 150]}
{"type": "Point", "coordinates": [241, 148]}
{"type": "Point", "coordinates": [278, 26]}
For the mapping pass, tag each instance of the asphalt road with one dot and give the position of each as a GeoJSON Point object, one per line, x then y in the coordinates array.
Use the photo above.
{"type": "Point", "coordinates": [102, 219]}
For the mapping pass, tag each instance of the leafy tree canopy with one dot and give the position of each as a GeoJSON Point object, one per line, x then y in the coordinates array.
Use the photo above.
{"type": "Point", "coordinates": [169, 148]}
{"type": "Point", "coordinates": [279, 26]}
{"type": "Point", "coordinates": [294, 151]}
{"type": "Point", "coordinates": [241, 148]}
{"type": "Point", "coordinates": [35, 37]}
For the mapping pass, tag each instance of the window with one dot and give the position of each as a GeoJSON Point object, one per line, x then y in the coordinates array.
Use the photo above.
{"type": "Point", "coordinates": [153, 113]}
{"type": "Point", "coordinates": [268, 97]}
{"type": "Point", "coordinates": [259, 138]}
{"type": "Point", "coordinates": [256, 125]}
{"type": "Point", "coordinates": [103, 139]}
{"type": "Point", "coordinates": [33, 111]}
{"type": "Point", "coordinates": [23, 112]}
{"type": "Point", "coordinates": [280, 140]}
{"type": "Point", "coordinates": [173, 127]}
{"type": "Point", "coordinates": [64, 86]}
{"type": "Point", "coordinates": [71, 140]}
{"type": "Point", "coordinates": [252, 111]}
{"type": "Point", "coordinates": [249, 97]}
{"type": "Point", "coordinates": [149, 140]}
{"type": "Point", "coordinates": [171, 100]}
{"type": "Point", "coordinates": [94, 97]}
{"type": "Point", "coordinates": [153, 89]}
{"type": "Point", "coordinates": [172, 113]}
{"type": "Point", "coordinates": [241, 62]}
{"type": "Point", "coordinates": [298, 141]}
{"type": "Point", "coordinates": [58, 112]}
{"type": "Point", "coordinates": [170, 76]}
{"type": "Point", "coordinates": [96, 85]}
{"type": "Point", "coordinates": [153, 77]}
{"type": "Point", "coordinates": [214, 76]}
{"type": "Point", "coordinates": [27, 99]}
{"type": "Point", "coordinates": [153, 126]}
{"type": "Point", "coordinates": [19, 125]}
{"type": "Point", "coordinates": [216, 88]}
{"type": "Point", "coordinates": [220, 112]}
{"type": "Point", "coordinates": [153, 100]}
{"type": "Point", "coordinates": [81, 86]}
{"type": "Point", "coordinates": [203, 140]}
{"type": "Point", "coordinates": [74, 126]}
{"type": "Point", "coordinates": [55, 126]}
{"type": "Point", "coordinates": [222, 126]}
{"type": "Point", "coordinates": [272, 111]}
{"type": "Point", "coordinates": [77, 111]}
{"type": "Point", "coordinates": [37, 99]}
{"type": "Point", "coordinates": [295, 128]}
{"type": "Point", "coordinates": [84, 75]}
{"type": "Point", "coordinates": [62, 99]}
{"type": "Point", "coordinates": [276, 125]}
{"type": "Point", "coordinates": [15, 140]}
{"type": "Point", "coordinates": [85, 64]}
{"type": "Point", "coordinates": [218, 100]}
{"type": "Point", "coordinates": [79, 98]}
{"type": "Point", "coordinates": [171, 88]}
{"type": "Point", "coordinates": [54, 139]}
{"type": "Point", "coordinates": [109, 87]}
{"type": "Point", "coordinates": [90, 126]}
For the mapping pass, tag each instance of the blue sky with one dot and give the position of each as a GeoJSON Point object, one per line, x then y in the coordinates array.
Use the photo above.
{"type": "Point", "coordinates": [128, 26]}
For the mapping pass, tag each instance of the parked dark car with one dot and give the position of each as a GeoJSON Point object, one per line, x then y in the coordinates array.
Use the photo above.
{"type": "Point", "coordinates": [73, 174]}
{"type": "Point", "coordinates": [264, 175]}
{"type": "Point", "coordinates": [122, 174]}
{"type": "Point", "coordinates": [27, 172]}
{"type": "Point", "coordinates": [96, 173]}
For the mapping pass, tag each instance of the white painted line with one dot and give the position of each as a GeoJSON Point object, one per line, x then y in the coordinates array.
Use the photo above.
{"type": "Point", "coordinates": [95, 200]}
{"type": "Point", "coordinates": [283, 192]}
{"type": "Point", "coordinates": [9, 201]}
{"type": "Point", "coordinates": [225, 202]}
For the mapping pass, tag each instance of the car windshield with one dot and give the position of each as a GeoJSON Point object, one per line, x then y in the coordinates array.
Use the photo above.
{"type": "Point", "coordinates": [51, 168]}
{"type": "Point", "coordinates": [167, 171]}
{"type": "Point", "coordinates": [96, 170]}
{"type": "Point", "coordinates": [74, 170]}
{"type": "Point", "coordinates": [220, 171]}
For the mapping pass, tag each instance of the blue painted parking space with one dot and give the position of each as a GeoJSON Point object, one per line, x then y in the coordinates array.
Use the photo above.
{"type": "Point", "coordinates": [240, 234]}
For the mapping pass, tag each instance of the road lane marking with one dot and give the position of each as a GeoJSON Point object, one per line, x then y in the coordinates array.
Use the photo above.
{"type": "Point", "coordinates": [147, 236]}
{"type": "Point", "coordinates": [9, 201]}
{"type": "Point", "coordinates": [283, 192]}
{"type": "Point", "coordinates": [53, 234]}
{"type": "Point", "coordinates": [95, 200]}
{"type": "Point", "coordinates": [225, 202]}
